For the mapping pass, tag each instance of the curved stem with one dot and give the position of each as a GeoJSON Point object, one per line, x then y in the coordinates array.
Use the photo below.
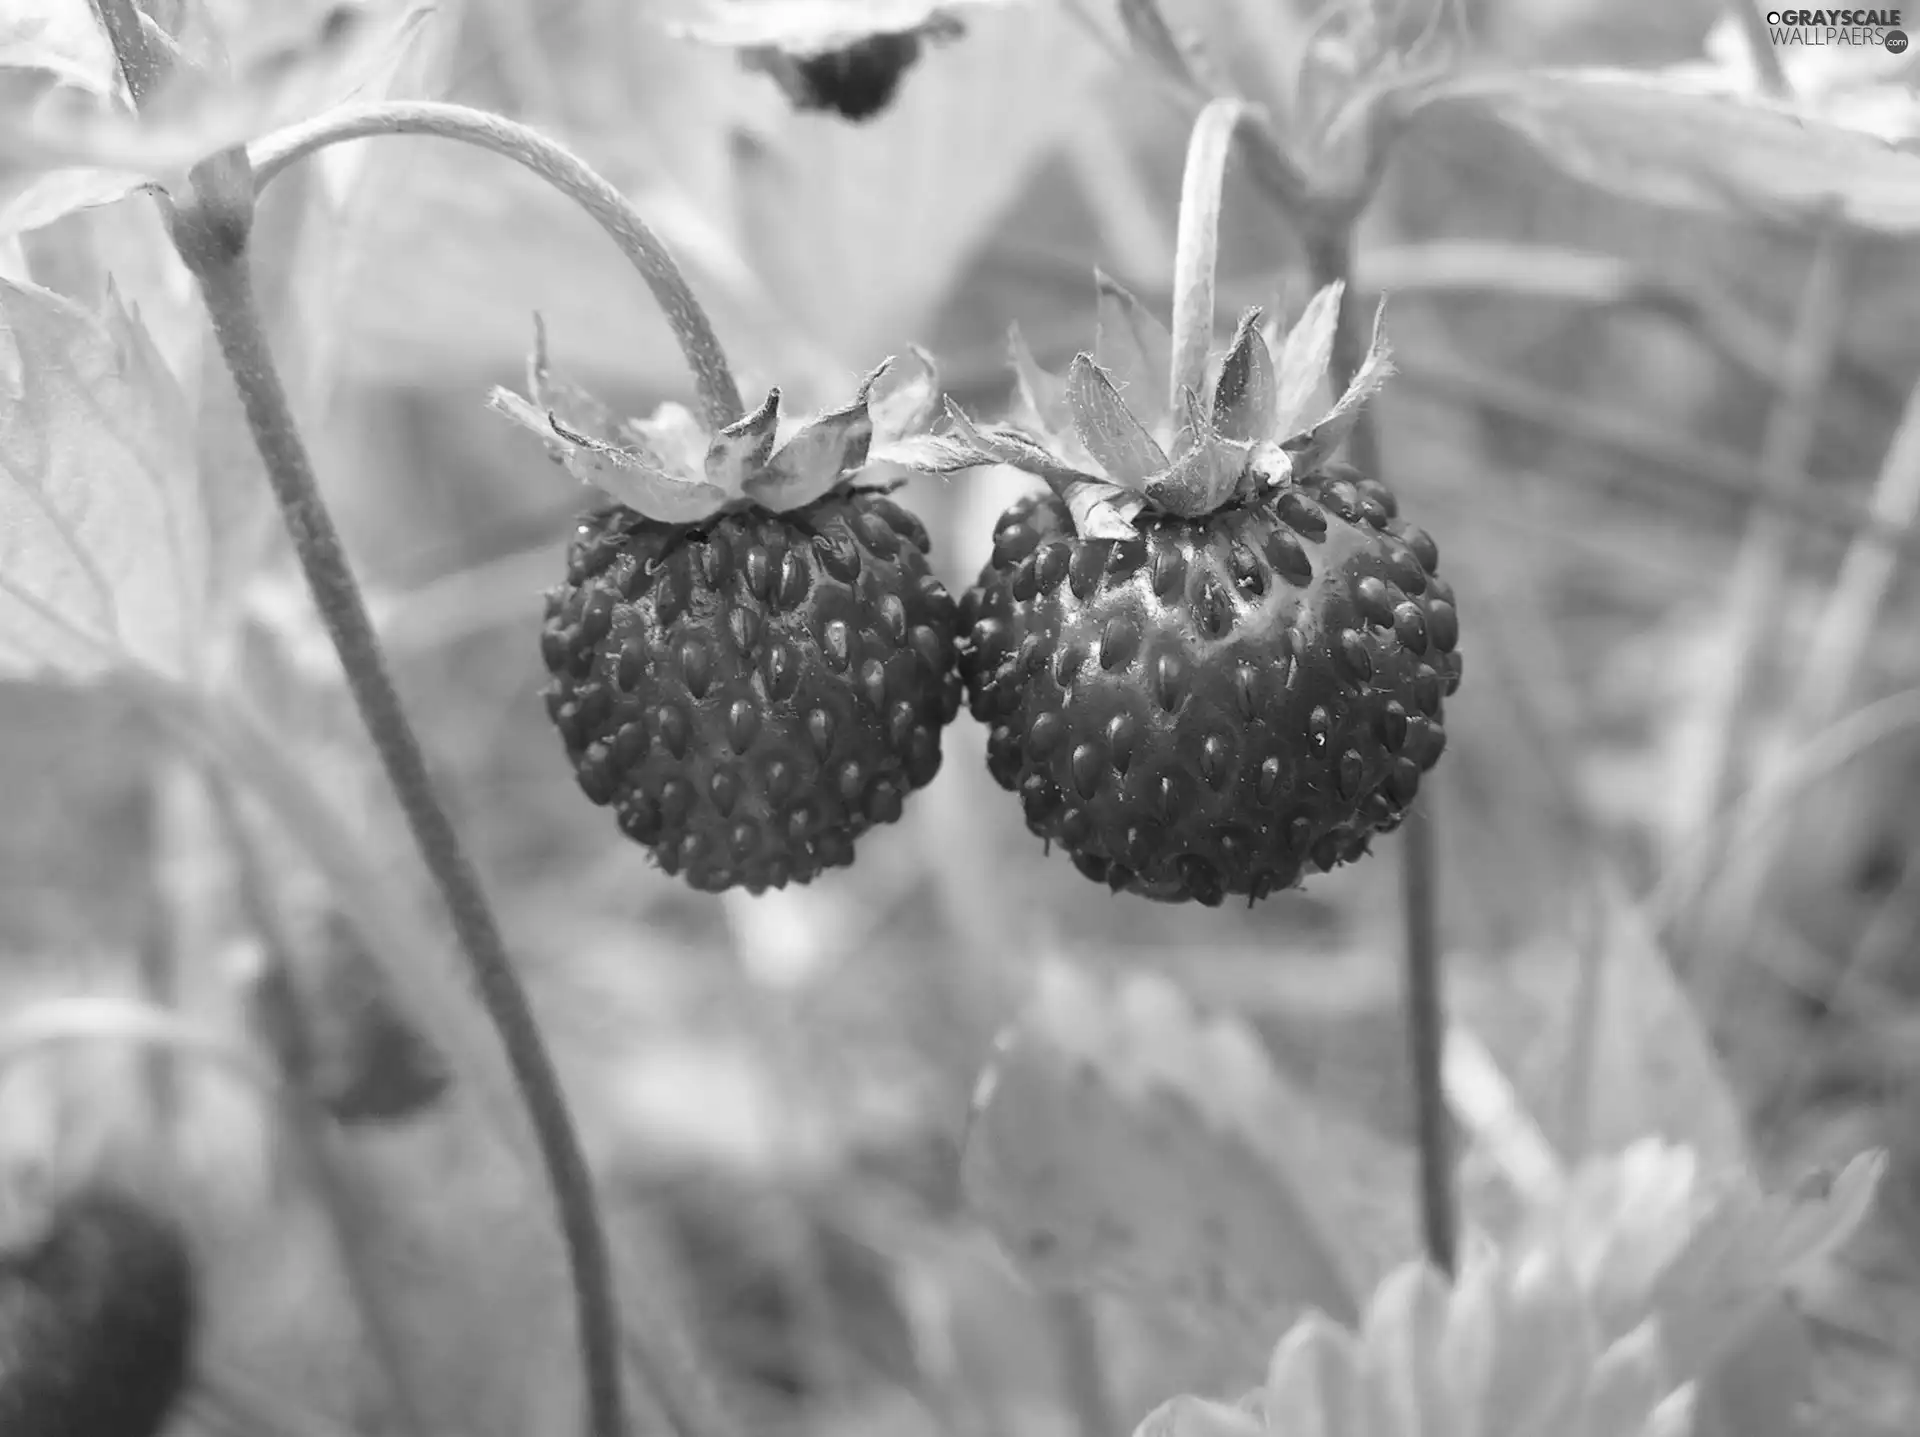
{"type": "Point", "coordinates": [1197, 251]}
{"type": "Point", "coordinates": [566, 172]}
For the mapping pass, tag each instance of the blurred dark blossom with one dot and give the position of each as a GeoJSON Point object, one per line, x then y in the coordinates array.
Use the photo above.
{"type": "Point", "coordinates": [844, 56]}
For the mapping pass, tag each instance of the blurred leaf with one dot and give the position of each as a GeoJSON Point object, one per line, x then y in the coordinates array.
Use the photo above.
{"type": "Point", "coordinates": [1687, 143]}
{"type": "Point", "coordinates": [30, 199]}
{"type": "Point", "coordinates": [1121, 1140]}
{"type": "Point", "coordinates": [862, 231]}
{"type": "Point", "coordinates": [1653, 1070]}
{"type": "Point", "coordinates": [804, 27]}
{"type": "Point", "coordinates": [266, 67]}
{"type": "Point", "coordinates": [1717, 1292]}
{"type": "Point", "coordinates": [51, 55]}
{"type": "Point", "coordinates": [1866, 88]}
{"type": "Point", "coordinates": [103, 542]}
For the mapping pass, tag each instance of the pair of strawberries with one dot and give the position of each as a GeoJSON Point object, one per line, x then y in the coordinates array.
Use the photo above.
{"type": "Point", "coordinates": [1208, 654]}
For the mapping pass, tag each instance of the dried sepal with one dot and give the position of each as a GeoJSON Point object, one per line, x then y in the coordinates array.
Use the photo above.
{"type": "Point", "coordinates": [904, 397]}
{"type": "Point", "coordinates": [818, 456]}
{"type": "Point", "coordinates": [1040, 399]}
{"type": "Point", "coordinates": [1246, 397]}
{"type": "Point", "coordinates": [1302, 362]}
{"type": "Point", "coordinates": [1119, 443]}
{"type": "Point", "coordinates": [1134, 347]}
{"type": "Point", "coordinates": [632, 472]}
{"type": "Point", "coordinates": [1331, 430]}
{"type": "Point", "coordinates": [671, 468]}
{"type": "Point", "coordinates": [1207, 473]}
{"type": "Point", "coordinates": [1100, 508]}
{"type": "Point", "coordinates": [743, 448]}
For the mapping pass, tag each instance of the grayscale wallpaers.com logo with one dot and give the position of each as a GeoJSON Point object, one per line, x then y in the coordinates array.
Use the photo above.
{"type": "Point", "coordinates": [1837, 27]}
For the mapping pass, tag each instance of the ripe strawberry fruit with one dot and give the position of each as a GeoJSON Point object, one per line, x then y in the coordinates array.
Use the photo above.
{"type": "Point", "coordinates": [1209, 655]}
{"type": "Point", "coordinates": [751, 661]}
{"type": "Point", "coordinates": [97, 1319]}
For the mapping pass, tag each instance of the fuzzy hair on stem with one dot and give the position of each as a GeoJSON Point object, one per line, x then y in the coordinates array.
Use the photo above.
{"type": "Point", "coordinates": [227, 289]}
{"type": "Point", "coordinates": [1197, 250]}
{"type": "Point", "coordinates": [210, 225]}
{"type": "Point", "coordinates": [566, 172]}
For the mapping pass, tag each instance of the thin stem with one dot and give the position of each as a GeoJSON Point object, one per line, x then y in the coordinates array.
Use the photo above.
{"type": "Point", "coordinates": [1196, 254]}
{"type": "Point", "coordinates": [1330, 254]}
{"type": "Point", "coordinates": [227, 289]}
{"type": "Point", "coordinates": [566, 172]}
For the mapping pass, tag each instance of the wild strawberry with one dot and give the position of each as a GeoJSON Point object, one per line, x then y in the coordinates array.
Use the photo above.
{"type": "Point", "coordinates": [97, 1317]}
{"type": "Point", "coordinates": [752, 663]}
{"type": "Point", "coordinates": [1209, 655]}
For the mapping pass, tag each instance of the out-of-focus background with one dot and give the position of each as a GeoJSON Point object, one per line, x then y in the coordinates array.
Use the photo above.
{"type": "Point", "coordinates": [1685, 758]}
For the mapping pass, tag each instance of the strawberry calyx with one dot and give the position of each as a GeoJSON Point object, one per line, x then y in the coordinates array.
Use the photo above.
{"type": "Point", "coordinates": [673, 468]}
{"type": "Point", "coordinates": [1111, 442]}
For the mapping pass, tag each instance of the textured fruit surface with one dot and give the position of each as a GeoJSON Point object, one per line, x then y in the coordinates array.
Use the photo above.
{"type": "Point", "coordinates": [1208, 708]}
{"type": "Point", "coordinates": [97, 1315]}
{"type": "Point", "coordinates": [752, 693]}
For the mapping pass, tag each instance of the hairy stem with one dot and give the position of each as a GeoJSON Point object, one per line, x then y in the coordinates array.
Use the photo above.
{"type": "Point", "coordinates": [566, 172]}
{"type": "Point", "coordinates": [211, 226]}
{"type": "Point", "coordinates": [1197, 250]}
{"type": "Point", "coordinates": [227, 289]}
{"type": "Point", "coordinates": [1330, 254]}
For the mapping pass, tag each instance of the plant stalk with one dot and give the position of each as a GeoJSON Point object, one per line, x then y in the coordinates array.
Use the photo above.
{"type": "Point", "coordinates": [1330, 256]}
{"type": "Point", "coordinates": [211, 226]}
{"type": "Point", "coordinates": [566, 172]}
{"type": "Point", "coordinates": [226, 287]}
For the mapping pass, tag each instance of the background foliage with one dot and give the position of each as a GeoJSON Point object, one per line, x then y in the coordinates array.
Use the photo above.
{"type": "Point", "coordinates": [1654, 356]}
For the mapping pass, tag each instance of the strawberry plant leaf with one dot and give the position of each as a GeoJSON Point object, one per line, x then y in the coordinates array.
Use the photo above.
{"type": "Point", "coordinates": [1118, 442]}
{"type": "Point", "coordinates": [1120, 1140]}
{"type": "Point", "coordinates": [1685, 141]}
{"type": "Point", "coordinates": [1134, 347]}
{"type": "Point", "coordinates": [103, 541]}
